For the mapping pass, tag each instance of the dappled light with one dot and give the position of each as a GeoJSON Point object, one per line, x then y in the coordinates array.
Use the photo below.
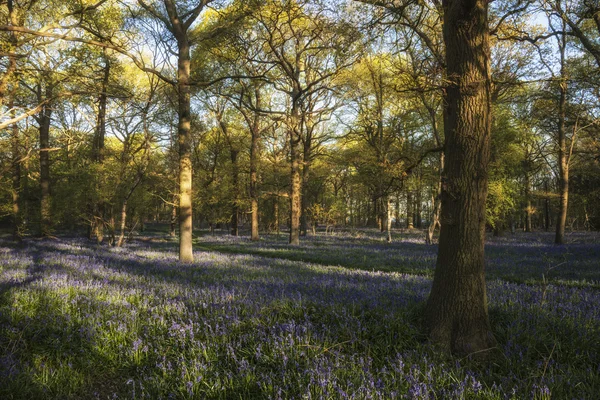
{"type": "Point", "coordinates": [299, 199]}
{"type": "Point", "coordinates": [81, 320]}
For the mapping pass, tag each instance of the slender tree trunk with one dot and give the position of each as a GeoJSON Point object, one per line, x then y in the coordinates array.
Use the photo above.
{"type": "Point", "coordinates": [173, 224]}
{"type": "Point", "coordinates": [185, 154]}
{"type": "Point", "coordinates": [8, 88]}
{"type": "Point", "coordinates": [409, 210]}
{"type": "Point", "coordinates": [388, 208]}
{"type": "Point", "coordinates": [296, 181]}
{"type": "Point", "coordinates": [397, 210]}
{"type": "Point", "coordinates": [381, 217]}
{"type": "Point", "coordinates": [372, 212]}
{"type": "Point", "coordinates": [124, 208]}
{"type": "Point", "coordinates": [528, 207]}
{"type": "Point", "coordinates": [435, 215]}
{"type": "Point", "coordinates": [418, 205]}
{"type": "Point", "coordinates": [456, 313]}
{"type": "Point", "coordinates": [304, 198]}
{"type": "Point", "coordinates": [98, 207]}
{"type": "Point", "coordinates": [563, 164]}
{"type": "Point", "coordinates": [546, 208]}
{"type": "Point", "coordinates": [235, 212]}
{"type": "Point", "coordinates": [16, 180]}
{"type": "Point", "coordinates": [98, 145]}
{"type": "Point", "coordinates": [123, 224]}
{"type": "Point", "coordinates": [44, 120]}
{"type": "Point", "coordinates": [111, 228]}
{"type": "Point", "coordinates": [254, 178]}
{"type": "Point", "coordinates": [25, 173]}
{"type": "Point", "coordinates": [276, 214]}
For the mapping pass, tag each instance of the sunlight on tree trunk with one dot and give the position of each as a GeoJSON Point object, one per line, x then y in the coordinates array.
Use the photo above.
{"type": "Point", "coordinates": [254, 185]}
{"type": "Point", "coordinates": [388, 219]}
{"type": "Point", "coordinates": [185, 159]}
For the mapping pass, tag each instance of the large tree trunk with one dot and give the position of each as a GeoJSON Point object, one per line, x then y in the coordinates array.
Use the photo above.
{"type": "Point", "coordinates": [44, 120]}
{"type": "Point", "coordinates": [185, 155]}
{"type": "Point", "coordinates": [296, 181]}
{"type": "Point", "coordinates": [563, 163]}
{"type": "Point", "coordinates": [456, 313]}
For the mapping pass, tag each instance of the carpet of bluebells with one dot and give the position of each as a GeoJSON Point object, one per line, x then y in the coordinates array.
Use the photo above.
{"type": "Point", "coordinates": [338, 317]}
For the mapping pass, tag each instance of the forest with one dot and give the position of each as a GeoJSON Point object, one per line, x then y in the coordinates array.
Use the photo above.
{"type": "Point", "coordinates": [311, 199]}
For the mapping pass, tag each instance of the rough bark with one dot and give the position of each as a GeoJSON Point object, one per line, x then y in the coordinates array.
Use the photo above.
{"type": "Point", "coordinates": [456, 313]}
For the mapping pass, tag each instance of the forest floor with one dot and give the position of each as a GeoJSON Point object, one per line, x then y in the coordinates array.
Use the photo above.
{"type": "Point", "coordinates": [336, 317]}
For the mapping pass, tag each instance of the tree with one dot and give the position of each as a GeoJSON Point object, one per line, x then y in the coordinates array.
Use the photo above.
{"type": "Point", "coordinates": [177, 19]}
{"type": "Point", "coordinates": [582, 19]}
{"type": "Point", "coordinates": [306, 50]}
{"type": "Point", "coordinates": [456, 314]}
